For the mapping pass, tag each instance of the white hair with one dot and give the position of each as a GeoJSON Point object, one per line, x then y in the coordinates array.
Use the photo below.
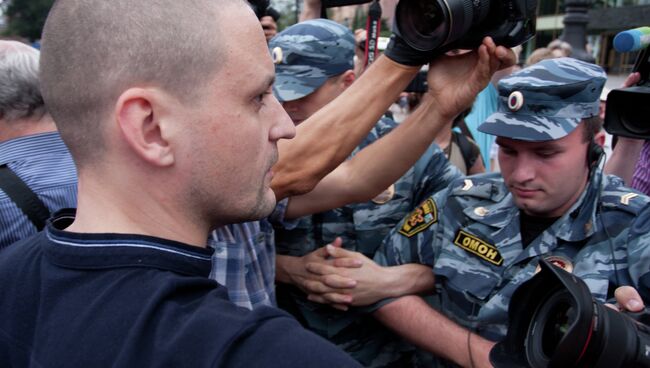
{"type": "Point", "coordinates": [20, 93]}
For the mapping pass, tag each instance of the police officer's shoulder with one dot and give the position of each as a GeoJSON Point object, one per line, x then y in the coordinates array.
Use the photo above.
{"type": "Point", "coordinates": [488, 186]}
{"type": "Point", "coordinates": [618, 197]}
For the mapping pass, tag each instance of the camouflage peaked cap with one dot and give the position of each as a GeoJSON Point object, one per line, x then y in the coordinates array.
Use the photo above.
{"type": "Point", "coordinates": [307, 54]}
{"type": "Point", "coordinates": [546, 101]}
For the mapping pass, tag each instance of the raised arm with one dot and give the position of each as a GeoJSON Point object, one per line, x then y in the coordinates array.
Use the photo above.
{"type": "Point", "coordinates": [454, 82]}
{"type": "Point", "coordinates": [327, 138]}
{"type": "Point", "coordinates": [310, 10]}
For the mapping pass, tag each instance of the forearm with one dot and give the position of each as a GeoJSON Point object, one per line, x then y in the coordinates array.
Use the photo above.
{"type": "Point", "coordinates": [382, 163]}
{"type": "Point", "coordinates": [624, 158]}
{"type": "Point", "coordinates": [375, 167]}
{"type": "Point", "coordinates": [425, 327]}
{"type": "Point", "coordinates": [328, 137]}
{"type": "Point", "coordinates": [408, 279]}
{"type": "Point", "coordinates": [285, 266]}
{"type": "Point", "coordinates": [310, 10]}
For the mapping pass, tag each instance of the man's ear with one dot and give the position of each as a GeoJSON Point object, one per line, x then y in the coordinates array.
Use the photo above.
{"type": "Point", "coordinates": [139, 113]}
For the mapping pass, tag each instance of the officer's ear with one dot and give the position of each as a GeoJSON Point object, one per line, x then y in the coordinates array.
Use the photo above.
{"type": "Point", "coordinates": [347, 78]}
{"type": "Point", "coordinates": [599, 138]}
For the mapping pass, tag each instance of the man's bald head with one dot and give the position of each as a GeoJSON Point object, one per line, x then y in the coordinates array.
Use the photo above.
{"type": "Point", "coordinates": [93, 50]}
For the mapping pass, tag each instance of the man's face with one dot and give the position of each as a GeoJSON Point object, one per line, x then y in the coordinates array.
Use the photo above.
{"type": "Point", "coordinates": [301, 109]}
{"type": "Point", "coordinates": [269, 26]}
{"type": "Point", "coordinates": [233, 130]}
{"type": "Point", "coordinates": [545, 178]}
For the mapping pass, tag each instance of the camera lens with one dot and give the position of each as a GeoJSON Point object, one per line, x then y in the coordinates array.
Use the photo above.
{"type": "Point", "coordinates": [431, 24]}
{"type": "Point", "coordinates": [549, 325]}
{"type": "Point", "coordinates": [423, 24]}
{"type": "Point", "coordinates": [427, 17]}
{"type": "Point", "coordinates": [560, 316]}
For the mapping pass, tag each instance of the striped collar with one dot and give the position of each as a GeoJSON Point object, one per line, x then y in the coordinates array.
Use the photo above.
{"type": "Point", "coordinates": [102, 251]}
{"type": "Point", "coordinates": [30, 146]}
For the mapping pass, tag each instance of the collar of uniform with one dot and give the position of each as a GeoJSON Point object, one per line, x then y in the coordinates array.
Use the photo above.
{"type": "Point", "coordinates": [103, 251]}
{"type": "Point", "coordinates": [580, 222]}
{"type": "Point", "coordinates": [30, 146]}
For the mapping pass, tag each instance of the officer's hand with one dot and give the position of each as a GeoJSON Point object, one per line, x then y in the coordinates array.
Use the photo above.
{"type": "Point", "coordinates": [400, 52]}
{"type": "Point", "coordinates": [454, 81]}
{"type": "Point", "coordinates": [316, 284]}
{"type": "Point", "coordinates": [371, 279]}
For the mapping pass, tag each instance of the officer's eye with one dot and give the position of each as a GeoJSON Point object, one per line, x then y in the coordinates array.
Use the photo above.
{"type": "Point", "coordinates": [546, 153]}
{"type": "Point", "coordinates": [507, 151]}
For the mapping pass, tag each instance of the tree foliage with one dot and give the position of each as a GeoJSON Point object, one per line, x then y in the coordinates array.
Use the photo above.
{"type": "Point", "coordinates": [25, 18]}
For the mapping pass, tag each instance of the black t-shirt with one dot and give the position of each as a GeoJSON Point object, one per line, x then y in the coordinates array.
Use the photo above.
{"type": "Point", "coordinates": [532, 226]}
{"type": "Point", "coordinates": [100, 300]}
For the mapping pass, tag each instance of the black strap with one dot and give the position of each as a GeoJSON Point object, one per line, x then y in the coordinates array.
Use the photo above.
{"type": "Point", "coordinates": [466, 150]}
{"type": "Point", "coordinates": [373, 27]}
{"type": "Point", "coordinates": [24, 197]}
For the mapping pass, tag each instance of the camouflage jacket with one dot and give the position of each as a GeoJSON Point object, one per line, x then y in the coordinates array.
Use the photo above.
{"type": "Point", "coordinates": [362, 228]}
{"type": "Point", "coordinates": [470, 235]}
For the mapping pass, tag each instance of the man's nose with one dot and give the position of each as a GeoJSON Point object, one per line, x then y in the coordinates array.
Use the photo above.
{"type": "Point", "coordinates": [283, 127]}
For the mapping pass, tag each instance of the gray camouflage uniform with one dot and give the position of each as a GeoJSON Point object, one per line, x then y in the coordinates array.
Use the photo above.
{"type": "Point", "coordinates": [306, 55]}
{"type": "Point", "coordinates": [470, 232]}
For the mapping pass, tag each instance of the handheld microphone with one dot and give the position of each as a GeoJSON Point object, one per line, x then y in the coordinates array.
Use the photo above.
{"type": "Point", "coordinates": [632, 40]}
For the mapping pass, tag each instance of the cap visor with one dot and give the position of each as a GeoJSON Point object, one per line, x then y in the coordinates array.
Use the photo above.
{"type": "Point", "coordinates": [530, 128]}
{"type": "Point", "coordinates": [289, 86]}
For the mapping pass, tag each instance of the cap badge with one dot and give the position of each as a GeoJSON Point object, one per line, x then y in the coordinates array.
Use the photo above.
{"type": "Point", "coordinates": [516, 101]}
{"type": "Point", "coordinates": [277, 55]}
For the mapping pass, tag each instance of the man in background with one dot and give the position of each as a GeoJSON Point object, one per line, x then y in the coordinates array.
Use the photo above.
{"type": "Point", "coordinates": [37, 174]}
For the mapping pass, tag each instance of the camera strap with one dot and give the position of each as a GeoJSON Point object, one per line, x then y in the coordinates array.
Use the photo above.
{"type": "Point", "coordinates": [373, 26]}
{"type": "Point", "coordinates": [23, 197]}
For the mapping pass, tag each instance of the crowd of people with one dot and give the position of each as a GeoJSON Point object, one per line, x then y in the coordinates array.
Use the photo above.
{"type": "Point", "coordinates": [186, 185]}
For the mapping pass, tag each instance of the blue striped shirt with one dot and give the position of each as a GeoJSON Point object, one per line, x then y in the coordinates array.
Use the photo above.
{"type": "Point", "coordinates": [244, 259]}
{"type": "Point", "coordinates": [43, 162]}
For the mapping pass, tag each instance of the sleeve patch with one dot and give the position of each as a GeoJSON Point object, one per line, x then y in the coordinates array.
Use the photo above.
{"type": "Point", "coordinates": [420, 219]}
{"type": "Point", "coordinates": [476, 246]}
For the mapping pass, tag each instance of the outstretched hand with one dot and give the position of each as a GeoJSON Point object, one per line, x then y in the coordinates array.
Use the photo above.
{"type": "Point", "coordinates": [454, 81]}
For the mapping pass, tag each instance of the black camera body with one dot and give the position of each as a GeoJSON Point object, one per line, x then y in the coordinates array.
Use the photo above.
{"type": "Point", "coordinates": [555, 322]}
{"type": "Point", "coordinates": [443, 25]}
{"type": "Point", "coordinates": [628, 111]}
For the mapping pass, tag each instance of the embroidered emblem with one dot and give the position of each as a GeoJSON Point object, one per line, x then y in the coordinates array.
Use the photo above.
{"type": "Point", "coordinates": [420, 219]}
{"type": "Point", "coordinates": [481, 248]}
{"type": "Point", "coordinates": [385, 196]}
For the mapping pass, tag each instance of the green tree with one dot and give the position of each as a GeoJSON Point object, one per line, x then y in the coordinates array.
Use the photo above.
{"type": "Point", "coordinates": [25, 18]}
